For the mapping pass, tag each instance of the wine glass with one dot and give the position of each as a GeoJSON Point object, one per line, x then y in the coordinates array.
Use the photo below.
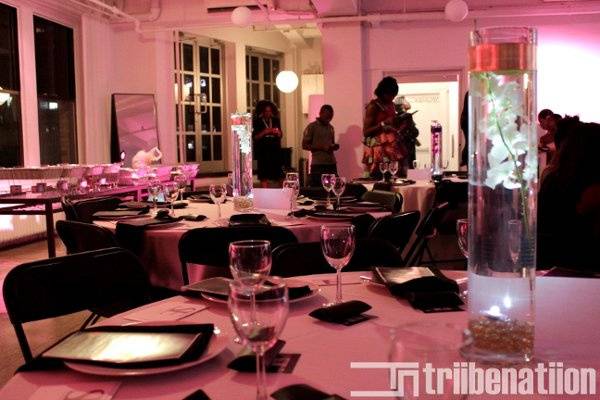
{"type": "Point", "coordinates": [217, 192]}
{"type": "Point", "coordinates": [181, 180]}
{"type": "Point", "coordinates": [338, 187]}
{"type": "Point", "coordinates": [327, 182]}
{"type": "Point", "coordinates": [293, 187]}
{"type": "Point", "coordinates": [250, 261]}
{"type": "Point", "coordinates": [154, 189]}
{"type": "Point", "coordinates": [171, 191]}
{"type": "Point", "coordinates": [259, 316]}
{"type": "Point", "coordinates": [383, 168]}
{"type": "Point", "coordinates": [337, 244]}
{"type": "Point", "coordinates": [515, 228]}
{"type": "Point", "coordinates": [393, 167]}
{"type": "Point", "coordinates": [462, 233]}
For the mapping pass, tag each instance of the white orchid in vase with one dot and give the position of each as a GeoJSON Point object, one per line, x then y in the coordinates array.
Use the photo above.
{"type": "Point", "coordinates": [512, 159]}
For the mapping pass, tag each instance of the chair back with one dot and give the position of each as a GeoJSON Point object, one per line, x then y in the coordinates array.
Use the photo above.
{"type": "Point", "coordinates": [362, 224]}
{"type": "Point", "coordinates": [355, 189]}
{"type": "Point", "coordinates": [396, 229]}
{"type": "Point", "coordinates": [391, 200]}
{"type": "Point", "coordinates": [384, 186]}
{"type": "Point", "coordinates": [296, 259]}
{"type": "Point", "coordinates": [425, 230]}
{"type": "Point", "coordinates": [210, 246]}
{"type": "Point", "coordinates": [83, 210]}
{"type": "Point", "coordinates": [79, 236]}
{"type": "Point", "coordinates": [106, 282]}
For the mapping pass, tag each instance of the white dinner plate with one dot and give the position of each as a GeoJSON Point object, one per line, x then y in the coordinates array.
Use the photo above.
{"type": "Point", "coordinates": [314, 290]}
{"type": "Point", "coordinates": [218, 343]}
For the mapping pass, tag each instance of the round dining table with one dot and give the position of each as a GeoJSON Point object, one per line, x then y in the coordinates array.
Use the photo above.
{"type": "Point", "coordinates": [159, 252]}
{"type": "Point", "coordinates": [335, 358]}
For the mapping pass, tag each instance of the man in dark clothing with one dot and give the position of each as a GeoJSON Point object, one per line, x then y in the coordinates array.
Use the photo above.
{"type": "Point", "coordinates": [319, 139]}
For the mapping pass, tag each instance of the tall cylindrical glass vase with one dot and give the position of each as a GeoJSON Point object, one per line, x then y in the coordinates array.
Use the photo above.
{"type": "Point", "coordinates": [502, 195]}
{"type": "Point", "coordinates": [242, 180]}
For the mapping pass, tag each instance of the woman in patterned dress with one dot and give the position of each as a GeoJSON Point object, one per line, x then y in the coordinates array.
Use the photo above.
{"type": "Point", "coordinates": [381, 137]}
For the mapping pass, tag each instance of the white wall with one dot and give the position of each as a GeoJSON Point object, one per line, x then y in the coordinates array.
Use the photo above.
{"type": "Point", "coordinates": [568, 61]}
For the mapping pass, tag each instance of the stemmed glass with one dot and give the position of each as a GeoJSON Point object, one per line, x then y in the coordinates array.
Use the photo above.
{"type": "Point", "coordinates": [515, 228]}
{"type": "Point", "coordinates": [258, 316]}
{"type": "Point", "coordinates": [294, 189]}
{"type": "Point", "coordinates": [292, 176]}
{"type": "Point", "coordinates": [181, 181]}
{"type": "Point", "coordinates": [327, 182]}
{"type": "Point", "coordinates": [393, 167]}
{"type": "Point", "coordinates": [337, 244]}
{"type": "Point", "coordinates": [154, 189]}
{"type": "Point", "coordinates": [383, 168]}
{"type": "Point", "coordinates": [338, 187]}
{"type": "Point", "coordinates": [217, 194]}
{"type": "Point", "coordinates": [171, 191]}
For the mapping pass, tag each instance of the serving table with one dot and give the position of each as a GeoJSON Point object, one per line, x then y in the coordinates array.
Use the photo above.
{"type": "Point", "coordinates": [567, 330]}
{"type": "Point", "coordinates": [48, 203]}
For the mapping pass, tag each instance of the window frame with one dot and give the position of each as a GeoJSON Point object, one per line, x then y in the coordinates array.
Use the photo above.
{"type": "Point", "coordinates": [262, 55]}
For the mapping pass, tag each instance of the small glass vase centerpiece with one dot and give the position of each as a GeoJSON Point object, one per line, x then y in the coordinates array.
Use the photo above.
{"type": "Point", "coordinates": [242, 180]}
{"type": "Point", "coordinates": [502, 195]}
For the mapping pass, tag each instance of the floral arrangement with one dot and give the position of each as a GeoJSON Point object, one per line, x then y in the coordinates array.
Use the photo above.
{"type": "Point", "coordinates": [145, 158]}
{"type": "Point", "coordinates": [511, 163]}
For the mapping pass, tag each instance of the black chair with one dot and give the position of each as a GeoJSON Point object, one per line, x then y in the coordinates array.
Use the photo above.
{"type": "Point", "coordinates": [384, 186]}
{"type": "Point", "coordinates": [355, 190]}
{"type": "Point", "coordinates": [105, 282]}
{"type": "Point", "coordinates": [210, 246]}
{"type": "Point", "coordinates": [83, 210]}
{"type": "Point", "coordinates": [426, 230]}
{"type": "Point", "coordinates": [396, 229]}
{"type": "Point", "coordinates": [296, 259]}
{"type": "Point", "coordinates": [362, 225]}
{"type": "Point", "coordinates": [79, 236]}
{"type": "Point", "coordinates": [391, 200]}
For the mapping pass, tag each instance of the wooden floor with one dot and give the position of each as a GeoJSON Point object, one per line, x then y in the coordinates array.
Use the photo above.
{"type": "Point", "coordinates": [40, 334]}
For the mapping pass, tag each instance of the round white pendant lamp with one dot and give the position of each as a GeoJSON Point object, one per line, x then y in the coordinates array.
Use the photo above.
{"type": "Point", "coordinates": [286, 81]}
{"type": "Point", "coordinates": [241, 16]}
{"type": "Point", "coordinates": [456, 10]}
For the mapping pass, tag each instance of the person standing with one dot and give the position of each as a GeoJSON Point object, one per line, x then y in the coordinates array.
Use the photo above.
{"type": "Point", "coordinates": [319, 139]}
{"type": "Point", "coordinates": [266, 134]}
{"type": "Point", "coordinates": [381, 139]}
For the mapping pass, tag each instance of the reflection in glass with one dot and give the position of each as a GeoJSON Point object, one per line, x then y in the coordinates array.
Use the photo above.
{"type": "Point", "coordinates": [203, 59]}
{"type": "Point", "coordinates": [188, 57]}
{"type": "Point", "coordinates": [190, 147]}
{"type": "Point", "coordinates": [216, 119]}
{"type": "Point", "coordinates": [206, 148]}
{"type": "Point", "coordinates": [190, 118]}
{"type": "Point", "coordinates": [215, 61]}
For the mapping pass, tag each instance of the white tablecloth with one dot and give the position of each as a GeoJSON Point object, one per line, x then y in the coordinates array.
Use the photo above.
{"type": "Point", "coordinates": [567, 330]}
{"type": "Point", "coordinates": [160, 252]}
{"type": "Point", "coordinates": [418, 196]}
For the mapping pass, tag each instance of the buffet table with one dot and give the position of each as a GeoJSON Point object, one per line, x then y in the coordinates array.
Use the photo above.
{"type": "Point", "coordinates": [567, 330]}
{"type": "Point", "coordinates": [159, 250]}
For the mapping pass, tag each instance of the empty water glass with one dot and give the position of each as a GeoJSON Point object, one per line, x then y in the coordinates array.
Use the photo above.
{"type": "Point", "coordinates": [383, 168]}
{"type": "Point", "coordinates": [327, 182]}
{"type": "Point", "coordinates": [294, 189]}
{"type": "Point", "coordinates": [217, 193]}
{"type": "Point", "coordinates": [337, 244]}
{"type": "Point", "coordinates": [338, 187]}
{"type": "Point", "coordinates": [393, 167]}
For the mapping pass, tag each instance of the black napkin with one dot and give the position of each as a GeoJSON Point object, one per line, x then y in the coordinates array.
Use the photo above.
{"type": "Point", "coordinates": [130, 233]}
{"type": "Point", "coordinates": [426, 289]}
{"type": "Point", "coordinates": [116, 214]}
{"type": "Point", "coordinates": [197, 395]}
{"type": "Point", "coordinates": [248, 219]}
{"type": "Point", "coordinates": [165, 204]}
{"type": "Point", "coordinates": [246, 359]}
{"type": "Point", "coordinates": [346, 313]}
{"type": "Point", "coordinates": [302, 392]}
{"type": "Point", "coordinates": [193, 352]}
{"type": "Point", "coordinates": [204, 198]}
{"type": "Point", "coordinates": [134, 205]}
{"type": "Point", "coordinates": [194, 217]}
{"type": "Point", "coordinates": [404, 182]}
{"type": "Point", "coordinates": [41, 364]}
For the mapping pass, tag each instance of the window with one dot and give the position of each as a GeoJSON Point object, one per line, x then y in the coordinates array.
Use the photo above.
{"type": "Point", "coordinates": [55, 72]}
{"type": "Point", "coordinates": [199, 108]}
{"type": "Point", "coordinates": [261, 70]}
{"type": "Point", "coordinates": [11, 147]}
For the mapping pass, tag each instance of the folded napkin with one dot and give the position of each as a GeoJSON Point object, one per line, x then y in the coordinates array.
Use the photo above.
{"type": "Point", "coordinates": [403, 182]}
{"type": "Point", "coordinates": [346, 313]}
{"type": "Point", "coordinates": [305, 202]}
{"type": "Point", "coordinates": [176, 344]}
{"type": "Point", "coordinates": [302, 392]}
{"type": "Point", "coordinates": [134, 205]}
{"type": "Point", "coordinates": [130, 233]}
{"type": "Point", "coordinates": [204, 198]}
{"type": "Point", "coordinates": [116, 214]}
{"type": "Point", "coordinates": [246, 359]}
{"type": "Point", "coordinates": [194, 217]}
{"type": "Point", "coordinates": [165, 204]}
{"type": "Point", "coordinates": [248, 219]}
{"type": "Point", "coordinates": [426, 289]}
{"type": "Point", "coordinates": [197, 395]}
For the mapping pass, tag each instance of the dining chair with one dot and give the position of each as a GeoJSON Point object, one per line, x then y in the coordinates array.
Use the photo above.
{"type": "Point", "coordinates": [83, 210]}
{"type": "Point", "coordinates": [105, 282]}
{"type": "Point", "coordinates": [80, 236]}
{"type": "Point", "coordinates": [396, 228]}
{"type": "Point", "coordinates": [384, 186]}
{"type": "Point", "coordinates": [295, 259]}
{"type": "Point", "coordinates": [426, 230]}
{"type": "Point", "coordinates": [391, 200]}
{"type": "Point", "coordinates": [362, 224]}
{"type": "Point", "coordinates": [210, 246]}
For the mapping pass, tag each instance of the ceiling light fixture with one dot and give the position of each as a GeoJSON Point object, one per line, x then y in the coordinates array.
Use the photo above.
{"type": "Point", "coordinates": [286, 81]}
{"type": "Point", "coordinates": [241, 16]}
{"type": "Point", "coordinates": [456, 10]}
